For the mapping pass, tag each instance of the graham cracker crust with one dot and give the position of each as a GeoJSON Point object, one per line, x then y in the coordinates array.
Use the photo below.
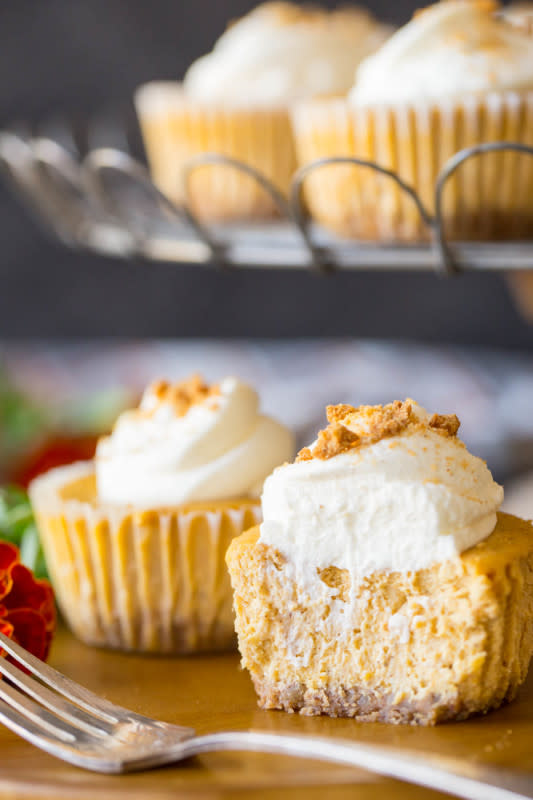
{"type": "Point", "coordinates": [364, 705]}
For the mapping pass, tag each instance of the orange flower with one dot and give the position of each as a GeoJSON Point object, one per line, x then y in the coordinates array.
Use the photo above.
{"type": "Point", "coordinates": [27, 607]}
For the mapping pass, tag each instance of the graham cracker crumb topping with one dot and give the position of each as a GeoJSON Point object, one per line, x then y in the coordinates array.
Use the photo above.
{"type": "Point", "coordinates": [350, 427]}
{"type": "Point", "coordinates": [183, 395]}
{"type": "Point", "coordinates": [335, 439]}
{"type": "Point", "coordinates": [449, 423]}
{"type": "Point", "coordinates": [338, 413]}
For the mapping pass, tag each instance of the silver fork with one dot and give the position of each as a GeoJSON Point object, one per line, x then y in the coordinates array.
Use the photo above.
{"type": "Point", "coordinates": [68, 721]}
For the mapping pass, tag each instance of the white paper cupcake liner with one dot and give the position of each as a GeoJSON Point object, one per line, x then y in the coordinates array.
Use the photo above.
{"type": "Point", "coordinates": [489, 197]}
{"type": "Point", "coordinates": [152, 581]}
{"type": "Point", "coordinates": [176, 128]}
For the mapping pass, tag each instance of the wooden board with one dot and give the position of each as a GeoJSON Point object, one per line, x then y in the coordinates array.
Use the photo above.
{"type": "Point", "coordinates": [211, 693]}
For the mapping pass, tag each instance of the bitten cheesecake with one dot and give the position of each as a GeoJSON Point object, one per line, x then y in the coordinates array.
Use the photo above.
{"type": "Point", "coordinates": [383, 583]}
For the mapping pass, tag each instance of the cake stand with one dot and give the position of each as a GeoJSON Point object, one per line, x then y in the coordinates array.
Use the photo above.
{"type": "Point", "coordinates": [107, 203]}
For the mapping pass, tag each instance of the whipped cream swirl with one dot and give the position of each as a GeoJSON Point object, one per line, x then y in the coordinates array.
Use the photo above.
{"type": "Point", "coordinates": [178, 448]}
{"type": "Point", "coordinates": [449, 50]}
{"type": "Point", "coordinates": [400, 503]}
{"type": "Point", "coordinates": [280, 52]}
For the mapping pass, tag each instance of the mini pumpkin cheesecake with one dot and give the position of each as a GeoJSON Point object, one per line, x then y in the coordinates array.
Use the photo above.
{"type": "Point", "coordinates": [458, 75]}
{"type": "Point", "coordinates": [135, 541]}
{"type": "Point", "coordinates": [235, 101]}
{"type": "Point", "coordinates": [383, 583]}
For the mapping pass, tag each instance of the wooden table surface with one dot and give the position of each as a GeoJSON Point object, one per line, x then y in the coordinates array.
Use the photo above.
{"type": "Point", "coordinates": [211, 693]}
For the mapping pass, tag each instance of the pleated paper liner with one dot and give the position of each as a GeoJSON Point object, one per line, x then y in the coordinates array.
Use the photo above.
{"type": "Point", "coordinates": [150, 581]}
{"type": "Point", "coordinates": [489, 197]}
{"type": "Point", "coordinates": [175, 129]}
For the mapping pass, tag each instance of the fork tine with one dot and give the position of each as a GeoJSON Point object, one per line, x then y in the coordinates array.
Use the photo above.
{"type": "Point", "coordinates": [24, 727]}
{"type": "Point", "coordinates": [98, 761]}
{"type": "Point", "coordinates": [38, 715]}
{"type": "Point", "coordinates": [51, 700]}
{"type": "Point", "coordinates": [51, 743]}
{"type": "Point", "coordinates": [65, 686]}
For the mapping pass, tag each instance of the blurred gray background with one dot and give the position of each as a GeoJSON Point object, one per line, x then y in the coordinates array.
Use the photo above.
{"type": "Point", "coordinates": [79, 61]}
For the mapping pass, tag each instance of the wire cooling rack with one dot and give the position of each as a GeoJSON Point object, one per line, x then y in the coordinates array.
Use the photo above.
{"type": "Point", "coordinates": [107, 203]}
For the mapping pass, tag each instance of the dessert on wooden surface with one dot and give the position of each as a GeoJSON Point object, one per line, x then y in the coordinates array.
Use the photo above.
{"type": "Point", "coordinates": [383, 583]}
{"type": "Point", "coordinates": [135, 540]}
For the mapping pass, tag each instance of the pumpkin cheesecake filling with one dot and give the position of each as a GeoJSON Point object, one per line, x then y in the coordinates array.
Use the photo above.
{"type": "Point", "coordinates": [383, 583]}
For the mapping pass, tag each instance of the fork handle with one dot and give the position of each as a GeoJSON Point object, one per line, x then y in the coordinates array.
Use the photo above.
{"type": "Point", "coordinates": [452, 776]}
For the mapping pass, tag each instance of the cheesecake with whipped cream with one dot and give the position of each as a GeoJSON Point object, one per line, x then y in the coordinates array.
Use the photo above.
{"type": "Point", "coordinates": [384, 583]}
{"type": "Point", "coordinates": [235, 101]}
{"type": "Point", "coordinates": [457, 75]}
{"type": "Point", "coordinates": [135, 540]}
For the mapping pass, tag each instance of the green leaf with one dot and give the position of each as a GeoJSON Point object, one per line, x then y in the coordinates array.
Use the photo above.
{"type": "Point", "coordinates": [17, 525]}
{"type": "Point", "coordinates": [30, 551]}
{"type": "Point", "coordinates": [20, 419]}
